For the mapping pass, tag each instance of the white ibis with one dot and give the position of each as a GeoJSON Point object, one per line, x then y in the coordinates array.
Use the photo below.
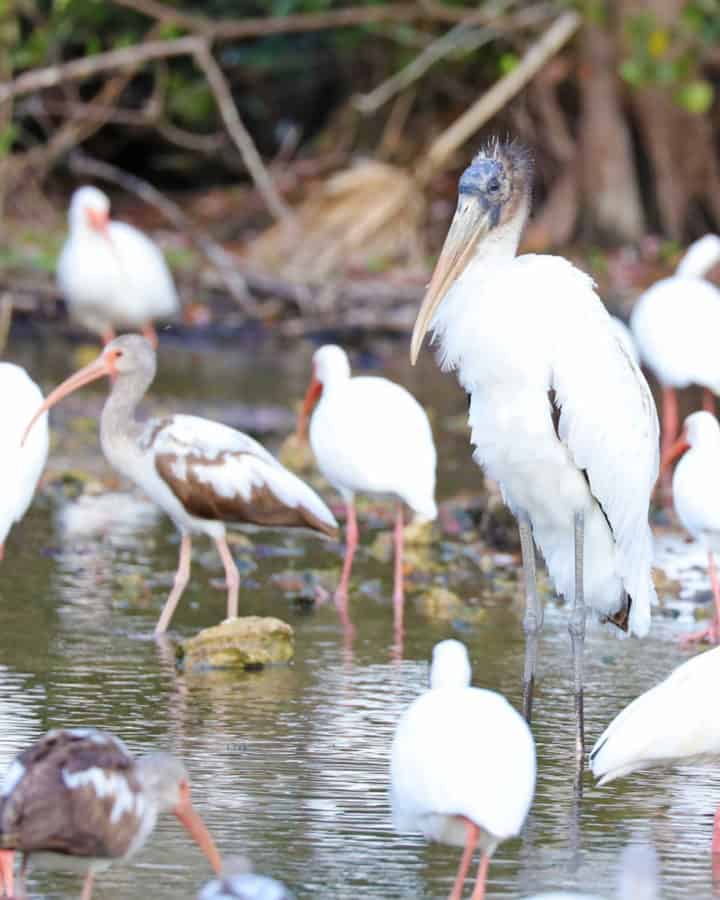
{"type": "Point", "coordinates": [20, 467]}
{"type": "Point", "coordinates": [462, 765]}
{"type": "Point", "coordinates": [638, 878]}
{"type": "Point", "coordinates": [110, 274]}
{"type": "Point", "coordinates": [561, 416]}
{"type": "Point", "coordinates": [201, 473]}
{"type": "Point", "coordinates": [672, 723]}
{"type": "Point", "coordinates": [674, 324]}
{"type": "Point", "coordinates": [239, 882]}
{"type": "Point", "coordinates": [369, 435]}
{"type": "Point", "coordinates": [696, 496]}
{"type": "Point", "coordinates": [79, 793]}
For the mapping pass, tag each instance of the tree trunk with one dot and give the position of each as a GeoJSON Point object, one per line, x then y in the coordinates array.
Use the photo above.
{"type": "Point", "coordinates": [611, 202]}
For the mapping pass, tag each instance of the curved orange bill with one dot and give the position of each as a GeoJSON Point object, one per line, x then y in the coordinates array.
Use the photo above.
{"type": "Point", "coordinates": [197, 830]}
{"type": "Point", "coordinates": [675, 450]}
{"type": "Point", "coordinates": [103, 365]}
{"type": "Point", "coordinates": [312, 396]}
{"type": "Point", "coordinates": [470, 222]}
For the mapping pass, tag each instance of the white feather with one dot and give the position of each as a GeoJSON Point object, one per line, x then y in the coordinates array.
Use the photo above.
{"type": "Point", "coordinates": [371, 435]}
{"type": "Point", "coordinates": [696, 481]}
{"type": "Point", "coordinates": [20, 467]}
{"type": "Point", "coordinates": [516, 328]}
{"type": "Point", "coordinates": [118, 280]}
{"type": "Point", "coordinates": [673, 722]}
{"type": "Point", "coordinates": [461, 751]}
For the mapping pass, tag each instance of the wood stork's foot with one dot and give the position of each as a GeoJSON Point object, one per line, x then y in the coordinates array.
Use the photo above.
{"type": "Point", "coordinates": [709, 634]}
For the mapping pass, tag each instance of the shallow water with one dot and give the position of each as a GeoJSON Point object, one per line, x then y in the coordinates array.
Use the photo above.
{"type": "Point", "coordinates": [289, 766]}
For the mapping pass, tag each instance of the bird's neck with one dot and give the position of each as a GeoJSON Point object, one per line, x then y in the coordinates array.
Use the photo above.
{"type": "Point", "coordinates": [117, 423]}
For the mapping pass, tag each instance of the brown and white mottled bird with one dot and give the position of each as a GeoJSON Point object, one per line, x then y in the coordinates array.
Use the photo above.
{"type": "Point", "coordinates": [201, 473]}
{"type": "Point", "coordinates": [79, 793]}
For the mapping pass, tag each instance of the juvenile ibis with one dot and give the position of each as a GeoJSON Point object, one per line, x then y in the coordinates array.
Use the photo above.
{"type": "Point", "coordinates": [560, 414]}
{"type": "Point", "coordinates": [696, 497]}
{"type": "Point", "coordinates": [369, 435]}
{"type": "Point", "coordinates": [201, 473]}
{"type": "Point", "coordinates": [672, 723]}
{"type": "Point", "coordinates": [20, 467]}
{"type": "Point", "coordinates": [674, 324]}
{"type": "Point", "coordinates": [111, 275]}
{"type": "Point", "coordinates": [79, 793]}
{"type": "Point", "coordinates": [462, 766]}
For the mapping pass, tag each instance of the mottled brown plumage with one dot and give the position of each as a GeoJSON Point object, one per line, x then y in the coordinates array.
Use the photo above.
{"type": "Point", "coordinates": [262, 507]}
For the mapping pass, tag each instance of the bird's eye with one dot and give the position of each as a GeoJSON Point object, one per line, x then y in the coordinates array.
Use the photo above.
{"type": "Point", "coordinates": [493, 186]}
{"type": "Point", "coordinates": [118, 354]}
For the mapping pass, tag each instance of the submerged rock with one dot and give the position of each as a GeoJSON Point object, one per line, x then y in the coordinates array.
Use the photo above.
{"type": "Point", "coordinates": [443, 605]}
{"type": "Point", "coordinates": [248, 642]}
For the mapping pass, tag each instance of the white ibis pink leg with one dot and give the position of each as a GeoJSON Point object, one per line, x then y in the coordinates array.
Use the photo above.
{"type": "Point", "coordinates": [708, 403]}
{"type": "Point", "coordinates": [351, 542]}
{"type": "Point", "coordinates": [670, 427]}
{"type": "Point", "coordinates": [472, 833]}
{"type": "Point", "coordinates": [150, 333]}
{"type": "Point", "coordinates": [711, 632]}
{"type": "Point", "coordinates": [182, 576]}
{"type": "Point", "coordinates": [108, 335]}
{"type": "Point", "coordinates": [398, 593]}
{"type": "Point", "coordinates": [232, 577]}
{"type": "Point", "coordinates": [6, 872]}
{"type": "Point", "coordinates": [716, 833]}
{"type": "Point", "coordinates": [2, 552]}
{"type": "Point", "coordinates": [87, 887]}
{"type": "Point", "coordinates": [479, 891]}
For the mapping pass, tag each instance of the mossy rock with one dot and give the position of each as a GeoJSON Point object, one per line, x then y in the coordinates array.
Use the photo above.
{"type": "Point", "coordinates": [248, 642]}
{"type": "Point", "coordinates": [443, 605]}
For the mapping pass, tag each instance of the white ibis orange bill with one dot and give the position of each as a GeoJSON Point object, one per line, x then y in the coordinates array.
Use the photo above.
{"type": "Point", "coordinates": [204, 475]}
{"type": "Point", "coordinates": [674, 323]}
{"type": "Point", "coordinates": [238, 882]}
{"type": "Point", "coordinates": [20, 467]}
{"type": "Point", "coordinates": [78, 792]}
{"type": "Point", "coordinates": [671, 724]}
{"type": "Point", "coordinates": [462, 765]}
{"type": "Point", "coordinates": [111, 275]}
{"type": "Point", "coordinates": [369, 435]}
{"type": "Point", "coordinates": [561, 417]}
{"type": "Point", "coordinates": [696, 497]}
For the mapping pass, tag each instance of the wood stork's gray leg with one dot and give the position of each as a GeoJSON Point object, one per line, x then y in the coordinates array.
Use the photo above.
{"type": "Point", "coordinates": [533, 620]}
{"type": "Point", "coordinates": [576, 627]}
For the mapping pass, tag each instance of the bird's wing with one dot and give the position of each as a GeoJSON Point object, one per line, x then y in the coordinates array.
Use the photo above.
{"type": "Point", "coordinates": [608, 422]}
{"type": "Point", "coordinates": [672, 721]}
{"type": "Point", "coordinates": [74, 791]}
{"type": "Point", "coordinates": [219, 473]}
{"type": "Point", "coordinates": [144, 265]}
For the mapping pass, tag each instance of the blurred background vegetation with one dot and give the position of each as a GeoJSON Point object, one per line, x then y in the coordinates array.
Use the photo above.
{"type": "Point", "coordinates": [623, 119]}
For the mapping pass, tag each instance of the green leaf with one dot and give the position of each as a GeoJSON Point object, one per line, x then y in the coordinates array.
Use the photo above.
{"type": "Point", "coordinates": [697, 96]}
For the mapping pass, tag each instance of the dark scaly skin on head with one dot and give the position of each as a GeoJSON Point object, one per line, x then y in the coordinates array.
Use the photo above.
{"type": "Point", "coordinates": [43, 814]}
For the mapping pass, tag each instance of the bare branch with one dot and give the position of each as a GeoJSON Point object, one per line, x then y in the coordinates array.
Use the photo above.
{"type": "Point", "coordinates": [77, 69]}
{"type": "Point", "coordinates": [547, 45]}
{"type": "Point", "coordinates": [240, 135]}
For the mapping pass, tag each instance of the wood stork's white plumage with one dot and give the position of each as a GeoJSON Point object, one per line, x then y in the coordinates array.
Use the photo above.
{"type": "Point", "coordinates": [624, 335]}
{"type": "Point", "coordinates": [462, 767]}
{"type": "Point", "coordinates": [638, 879]}
{"type": "Point", "coordinates": [20, 467]}
{"type": "Point", "coordinates": [674, 324]}
{"type": "Point", "coordinates": [561, 416]}
{"type": "Point", "coordinates": [111, 275]}
{"type": "Point", "coordinates": [369, 435]}
{"type": "Point", "coordinates": [672, 723]}
{"type": "Point", "coordinates": [201, 473]}
{"type": "Point", "coordinates": [696, 496]}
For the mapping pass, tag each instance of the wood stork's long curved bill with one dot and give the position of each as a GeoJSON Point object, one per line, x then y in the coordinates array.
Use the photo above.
{"type": "Point", "coordinates": [472, 221]}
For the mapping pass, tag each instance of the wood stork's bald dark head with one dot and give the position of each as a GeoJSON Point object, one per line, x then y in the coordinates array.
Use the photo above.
{"type": "Point", "coordinates": [493, 203]}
